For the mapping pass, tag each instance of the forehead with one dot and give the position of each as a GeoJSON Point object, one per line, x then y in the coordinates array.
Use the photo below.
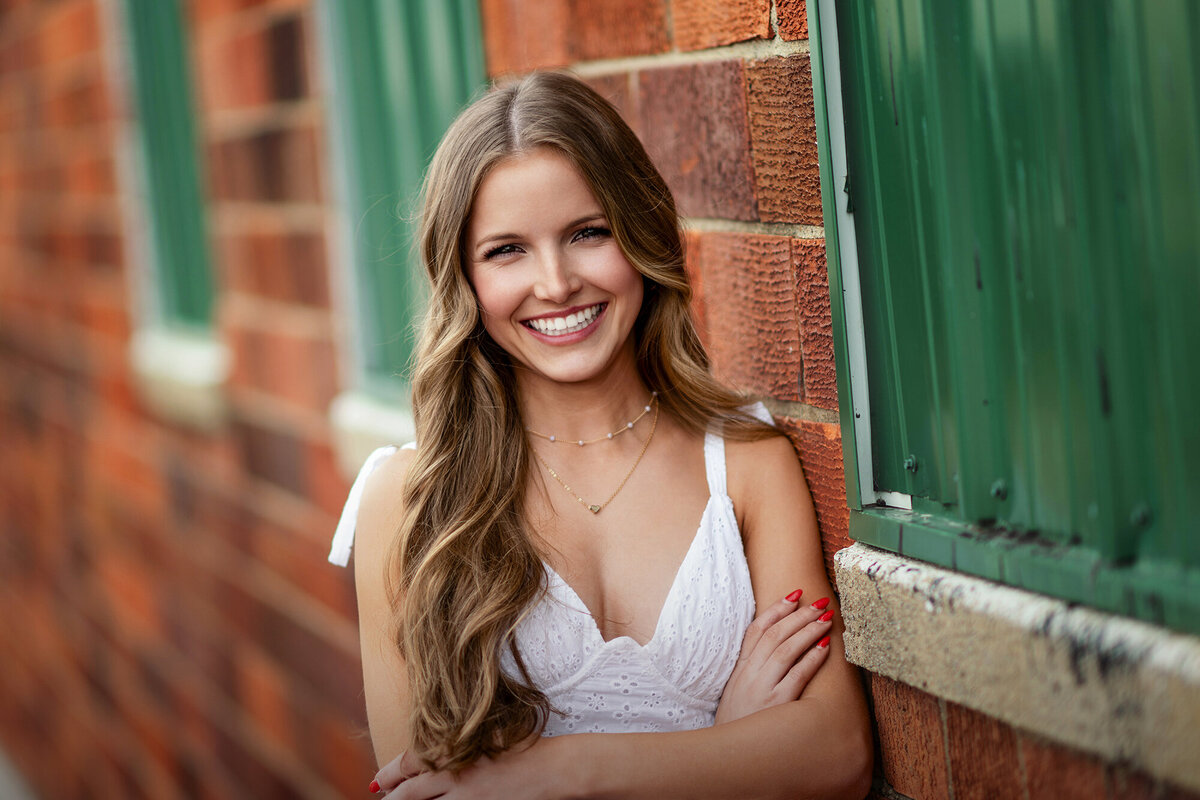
{"type": "Point", "coordinates": [540, 187]}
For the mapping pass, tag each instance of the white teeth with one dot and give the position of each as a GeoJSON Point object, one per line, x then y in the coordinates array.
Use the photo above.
{"type": "Point", "coordinates": [560, 326]}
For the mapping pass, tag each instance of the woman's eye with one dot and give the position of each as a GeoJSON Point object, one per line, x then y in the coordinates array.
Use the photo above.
{"type": "Point", "coordinates": [501, 250]}
{"type": "Point", "coordinates": [592, 232]}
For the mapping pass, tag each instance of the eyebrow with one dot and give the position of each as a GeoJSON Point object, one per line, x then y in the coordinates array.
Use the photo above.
{"type": "Point", "coordinates": [497, 237]}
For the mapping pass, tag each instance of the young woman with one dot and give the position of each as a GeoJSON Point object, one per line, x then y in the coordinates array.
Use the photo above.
{"type": "Point", "coordinates": [556, 585]}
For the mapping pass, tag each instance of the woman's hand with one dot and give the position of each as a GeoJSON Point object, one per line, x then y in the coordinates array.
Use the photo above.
{"type": "Point", "coordinates": [782, 650]}
{"type": "Point", "coordinates": [527, 772]}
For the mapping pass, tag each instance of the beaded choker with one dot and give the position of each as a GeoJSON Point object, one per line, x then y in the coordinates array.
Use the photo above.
{"type": "Point", "coordinates": [628, 426]}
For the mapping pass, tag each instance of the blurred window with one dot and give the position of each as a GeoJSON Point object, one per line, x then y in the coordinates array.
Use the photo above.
{"type": "Point", "coordinates": [172, 205]}
{"type": "Point", "coordinates": [398, 74]}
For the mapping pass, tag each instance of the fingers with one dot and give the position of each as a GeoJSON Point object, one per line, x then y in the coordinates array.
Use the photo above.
{"type": "Point", "coordinates": [396, 771]}
{"type": "Point", "coordinates": [422, 786]}
{"type": "Point", "coordinates": [776, 647]}
{"type": "Point", "coordinates": [763, 622]}
{"type": "Point", "coordinates": [793, 683]}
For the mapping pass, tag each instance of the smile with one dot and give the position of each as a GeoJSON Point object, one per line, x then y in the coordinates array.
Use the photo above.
{"type": "Point", "coordinates": [565, 325]}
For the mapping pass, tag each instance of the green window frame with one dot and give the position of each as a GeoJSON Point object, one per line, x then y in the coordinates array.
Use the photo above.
{"type": "Point", "coordinates": [1012, 192]}
{"type": "Point", "coordinates": [399, 74]}
{"type": "Point", "coordinates": [166, 143]}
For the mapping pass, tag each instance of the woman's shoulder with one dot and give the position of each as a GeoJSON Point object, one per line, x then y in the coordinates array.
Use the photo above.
{"type": "Point", "coordinates": [383, 488]}
{"type": "Point", "coordinates": [373, 501]}
{"type": "Point", "coordinates": [763, 473]}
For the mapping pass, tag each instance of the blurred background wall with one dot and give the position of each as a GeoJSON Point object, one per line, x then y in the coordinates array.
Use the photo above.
{"type": "Point", "coordinates": [172, 468]}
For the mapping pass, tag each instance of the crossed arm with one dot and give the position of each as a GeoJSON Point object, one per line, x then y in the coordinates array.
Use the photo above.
{"type": "Point", "coordinates": [792, 722]}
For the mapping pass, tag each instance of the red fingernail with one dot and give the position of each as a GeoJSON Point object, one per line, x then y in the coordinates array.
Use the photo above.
{"type": "Point", "coordinates": [820, 604]}
{"type": "Point", "coordinates": [794, 596]}
{"type": "Point", "coordinates": [824, 642]}
{"type": "Point", "coordinates": [828, 615]}
{"type": "Point", "coordinates": [374, 787]}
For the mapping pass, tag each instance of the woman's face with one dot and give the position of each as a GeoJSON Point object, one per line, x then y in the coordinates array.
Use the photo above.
{"type": "Point", "coordinates": [554, 289]}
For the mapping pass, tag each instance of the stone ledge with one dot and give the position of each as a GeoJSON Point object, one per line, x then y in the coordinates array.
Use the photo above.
{"type": "Point", "coordinates": [1123, 689]}
{"type": "Point", "coordinates": [362, 422]}
{"type": "Point", "coordinates": [181, 376]}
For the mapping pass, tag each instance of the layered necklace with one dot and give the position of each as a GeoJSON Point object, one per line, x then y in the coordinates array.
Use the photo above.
{"type": "Point", "coordinates": [596, 508]}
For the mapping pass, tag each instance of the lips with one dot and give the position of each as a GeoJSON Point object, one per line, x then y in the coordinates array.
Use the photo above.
{"type": "Point", "coordinates": [565, 324]}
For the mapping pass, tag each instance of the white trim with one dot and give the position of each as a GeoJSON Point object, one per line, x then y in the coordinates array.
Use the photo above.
{"type": "Point", "coordinates": [181, 376]}
{"type": "Point", "coordinates": [895, 500]}
{"type": "Point", "coordinates": [363, 423]}
{"type": "Point", "coordinates": [1123, 689]}
{"type": "Point", "coordinates": [847, 253]}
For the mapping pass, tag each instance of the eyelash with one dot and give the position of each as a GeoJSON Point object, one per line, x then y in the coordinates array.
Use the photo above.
{"type": "Point", "coordinates": [589, 232]}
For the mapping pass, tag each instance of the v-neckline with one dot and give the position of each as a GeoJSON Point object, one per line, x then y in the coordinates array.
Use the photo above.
{"type": "Point", "coordinates": [595, 627]}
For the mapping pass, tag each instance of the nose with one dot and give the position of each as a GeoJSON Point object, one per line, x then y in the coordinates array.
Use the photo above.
{"type": "Point", "coordinates": [556, 281]}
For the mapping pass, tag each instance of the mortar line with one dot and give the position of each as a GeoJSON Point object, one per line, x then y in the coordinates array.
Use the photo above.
{"type": "Point", "coordinates": [747, 51]}
{"type": "Point", "coordinates": [716, 225]}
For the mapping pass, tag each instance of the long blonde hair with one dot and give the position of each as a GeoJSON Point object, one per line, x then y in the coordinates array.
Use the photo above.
{"type": "Point", "coordinates": [463, 569]}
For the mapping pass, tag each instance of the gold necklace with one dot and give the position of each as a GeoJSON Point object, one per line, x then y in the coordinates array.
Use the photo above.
{"type": "Point", "coordinates": [628, 426]}
{"type": "Point", "coordinates": [596, 508]}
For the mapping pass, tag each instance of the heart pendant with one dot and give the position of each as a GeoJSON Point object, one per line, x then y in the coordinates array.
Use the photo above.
{"type": "Point", "coordinates": [595, 509]}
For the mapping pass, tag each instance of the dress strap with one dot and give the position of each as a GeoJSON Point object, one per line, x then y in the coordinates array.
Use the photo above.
{"type": "Point", "coordinates": [343, 536]}
{"type": "Point", "coordinates": [714, 450]}
{"type": "Point", "coordinates": [714, 462]}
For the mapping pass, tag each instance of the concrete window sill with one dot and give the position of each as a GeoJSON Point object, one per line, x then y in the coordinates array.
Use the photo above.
{"type": "Point", "coordinates": [362, 422]}
{"type": "Point", "coordinates": [181, 376]}
{"type": "Point", "coordinates": [1113, 686]}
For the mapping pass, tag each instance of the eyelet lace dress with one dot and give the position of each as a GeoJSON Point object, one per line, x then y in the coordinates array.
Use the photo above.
{"type": "Point", "coordinates": [671, 683]}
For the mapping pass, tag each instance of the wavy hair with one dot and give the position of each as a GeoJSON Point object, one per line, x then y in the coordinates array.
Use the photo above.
{"type": "Point", "coordinates": [462, 569]}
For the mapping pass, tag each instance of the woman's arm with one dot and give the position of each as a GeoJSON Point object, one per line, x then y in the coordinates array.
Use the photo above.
{"type": "Point", "coordinates": [818, 746]}
{"type": "Point", "coordinates": [385, 681]}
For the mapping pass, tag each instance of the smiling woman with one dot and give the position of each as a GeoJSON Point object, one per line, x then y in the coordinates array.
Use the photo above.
{"type": "Point", "coordinates": [511, 622]}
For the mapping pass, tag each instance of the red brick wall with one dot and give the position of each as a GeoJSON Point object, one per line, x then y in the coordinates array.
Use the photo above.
{"type": "Point", "coordinates": [168, 624]}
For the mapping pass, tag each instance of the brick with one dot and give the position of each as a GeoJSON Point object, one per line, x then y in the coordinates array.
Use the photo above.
{"type": "Point", "coordinates": [286, 64]}
{"type": "Point", "coordinates": [263, 65]}
{"type": "Point", "coordinates": [274, 165]}
{"type": "Point", "coordinates": [912, 749]}
{"type": "Point", "coordinates": [816, 323]}
{"type": "Point", "coordinates": [341, 750]}
{"type": "Point", "coordinates": [69, 30]}
{"type": "Point", "coordinates": [298, 370]}
{"type": "Point", "coordinates": [299, 558]}
{"type": "Point", "coordinates": [820, 447]}
{"type": "Point", "coordinates": [523, 35]}
{"type": "Point", "coordinates": [616, 28]}
{"type": "Point", "coordinates": [206, 12]}
{"type": "Point", "coordinates": [753, 333]}
{"type": "Point", "coordinates": [617, 90]}
{"type": "Point", "coordinates": [783, 134]}
{"type": "Point", "coordinates": [710, 23]}
{"type": "Point", "coordinates": [263, 693]}
{"type": "Point", "coordinates": [791, 18]}
{"type": "Point", "coordinates": [273, 456]}
{"type": "Point", "coordinates": [983, 755]}
{"type": "Point", "coordinates": [277, 265]}
{"type": "Point", "coordinates": [1053, 772]}
{"type": "Point", "coordinates": [693, 123]}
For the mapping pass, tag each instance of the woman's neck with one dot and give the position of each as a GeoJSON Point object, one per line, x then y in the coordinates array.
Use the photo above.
{"type": "Point", "coordinates": [586, 410]}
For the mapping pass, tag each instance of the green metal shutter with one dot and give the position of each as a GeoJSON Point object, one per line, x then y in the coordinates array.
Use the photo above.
{"type": "Point", "coordinates": [1025, 189]}
{"type": "Point", "coordinates": [174, 203]}
{"type": "Point", "coordinates": [401, 72]}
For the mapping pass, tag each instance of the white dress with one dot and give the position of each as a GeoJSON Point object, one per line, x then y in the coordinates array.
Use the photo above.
{"type": "Point", "coordinates": [671, 683]}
